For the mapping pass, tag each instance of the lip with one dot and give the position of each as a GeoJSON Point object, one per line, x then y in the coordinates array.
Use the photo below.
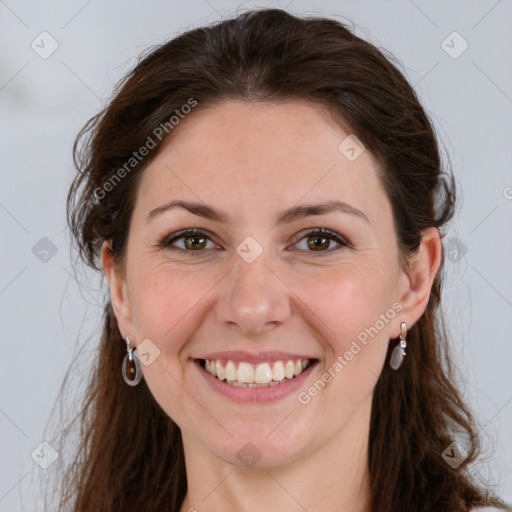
{"type": "Point", "coordinates": [256, 395]}
{"type": "Point", "coordinates": [260, 357]}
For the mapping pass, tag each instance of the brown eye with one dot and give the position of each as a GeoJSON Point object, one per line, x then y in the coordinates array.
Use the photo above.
{"type": "Point", "coordinates": [194, 242]}
{"type": "Point", "coordinates": [321, 241]}
{"type": "Point", "coordinates": [318, 243]}
{"type": "Point", "coordinates": [187, 241]}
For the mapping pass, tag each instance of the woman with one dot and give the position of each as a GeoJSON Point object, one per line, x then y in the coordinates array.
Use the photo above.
{"type": "Point", "coordinates": [265, 197]}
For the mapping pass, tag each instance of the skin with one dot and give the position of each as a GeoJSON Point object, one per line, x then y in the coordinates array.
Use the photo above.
{"type": "Point", "coordinates": [252, 161]}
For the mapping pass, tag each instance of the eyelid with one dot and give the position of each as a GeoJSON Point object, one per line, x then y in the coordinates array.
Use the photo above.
{"type": "Point", "coordinates": [167, 241]}
{"type": "Point", "coordinates": [332, 235]}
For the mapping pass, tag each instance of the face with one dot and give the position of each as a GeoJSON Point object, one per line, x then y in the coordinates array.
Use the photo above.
{"type": "Point", "coordinates": [262, 281]}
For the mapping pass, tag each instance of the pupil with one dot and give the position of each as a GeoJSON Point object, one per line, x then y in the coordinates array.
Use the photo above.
{"type": "Point", "coordinates": [194, 240]}
{"type": "Point", "coordinates": [323, 242]}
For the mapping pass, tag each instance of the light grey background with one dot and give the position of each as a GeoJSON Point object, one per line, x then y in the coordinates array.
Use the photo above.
{"type": "Point", "coordinates": [46, 318]}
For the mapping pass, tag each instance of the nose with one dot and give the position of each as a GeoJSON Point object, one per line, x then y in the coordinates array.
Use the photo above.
{"type": "Point", "coordinates": [253, 299]}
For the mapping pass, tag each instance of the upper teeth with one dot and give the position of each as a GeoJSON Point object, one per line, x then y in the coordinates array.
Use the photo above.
{"type": "Point", "coordinates": [262, 373]}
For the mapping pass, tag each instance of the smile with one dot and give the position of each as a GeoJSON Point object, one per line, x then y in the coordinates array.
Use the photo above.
{"type": "Point", "coordinates": [264, 374]}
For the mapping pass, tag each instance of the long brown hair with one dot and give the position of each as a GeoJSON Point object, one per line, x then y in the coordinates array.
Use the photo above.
{"type": "Point", "coordinates": [130, 455]}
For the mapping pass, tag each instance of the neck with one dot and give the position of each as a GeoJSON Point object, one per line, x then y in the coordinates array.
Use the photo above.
{"type": "Point", "coordinates": [332, 477]}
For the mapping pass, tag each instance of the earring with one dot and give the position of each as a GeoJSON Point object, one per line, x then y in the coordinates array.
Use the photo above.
{"type": "Point", "coordinates": [132, 372]}
{"type": "Point", "coordinates": [398, 354]}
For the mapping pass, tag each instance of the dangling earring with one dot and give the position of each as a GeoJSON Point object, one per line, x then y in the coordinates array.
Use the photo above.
{"type": "Point", "coordinates": [132, 372]}
{"type": "Point", "coordinates": [398, 354]}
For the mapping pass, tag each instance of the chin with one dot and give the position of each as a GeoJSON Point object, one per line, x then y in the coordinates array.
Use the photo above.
{"type": "Point", "coordinates": [256, 448]}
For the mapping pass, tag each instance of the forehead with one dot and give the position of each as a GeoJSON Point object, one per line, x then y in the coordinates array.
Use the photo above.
{"type": "Point", "coordinates": [271, 153]}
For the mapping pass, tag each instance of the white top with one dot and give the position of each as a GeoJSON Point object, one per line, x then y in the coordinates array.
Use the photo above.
{"type": "Point", "coordinates": [486, 509]}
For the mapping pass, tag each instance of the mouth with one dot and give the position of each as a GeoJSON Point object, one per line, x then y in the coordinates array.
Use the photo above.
{"type": "Point", "coordinates": [248, 375]}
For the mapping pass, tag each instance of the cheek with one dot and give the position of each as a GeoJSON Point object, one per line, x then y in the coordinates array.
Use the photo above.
{"type": "Point", "coordinates": [353, 311]}
{"type": "Point", "coordinates": [165, 300]}
{"type": "Point", "coordinates": [167, 308]}
{"type": "Point", "coordinates": [348, 299]}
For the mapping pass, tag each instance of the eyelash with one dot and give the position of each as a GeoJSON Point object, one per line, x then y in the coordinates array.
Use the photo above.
{"type": "Point", "coordinates": [166, 242]}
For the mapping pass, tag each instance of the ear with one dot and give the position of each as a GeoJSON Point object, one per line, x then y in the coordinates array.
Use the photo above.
{"type": "Point", "coordinates": [416, 282]}
{"type": "Point", "coordinates": [118, 290]}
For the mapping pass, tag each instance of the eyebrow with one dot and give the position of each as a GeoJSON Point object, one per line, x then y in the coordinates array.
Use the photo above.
{"type": "Point", "coordinates": [292, 214]}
